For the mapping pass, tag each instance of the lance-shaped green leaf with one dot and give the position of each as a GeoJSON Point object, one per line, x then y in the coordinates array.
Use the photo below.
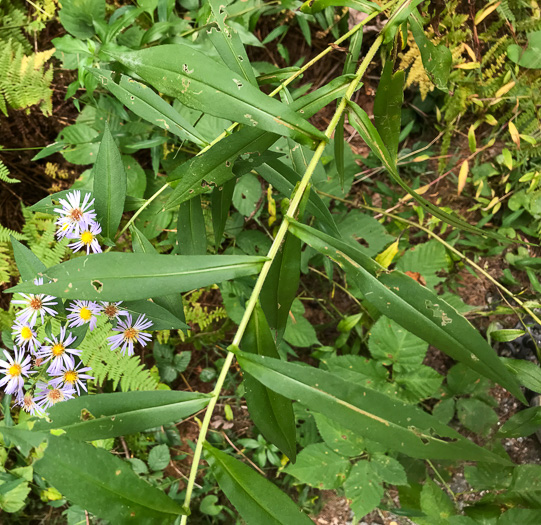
{"type": "Point", "coordinates": [271, 412]}
{"type": "Point", "coordinates": [400, 14]}
{"type": "Point", "coordinates": [284, 179]}
{"type": "Point", "coordinates": [201, 83]}
{"type": "Point", "coordinates": [257, 500]}
{"type": "Point", "coordinates": [103, 484]}
{"type": "Point", "coordinates": [388, 107]}
{"type": "Point", "coordinates": [109, 185]}
{"type": "Point", "coordinates": [315, 6]}
{"type": "Point", "coordinates": [361, 122]}
{"type": "Point", "coordinates": [413, 306]}
{"type": "Point", "coordinates": [27, 262]}
{"type": "Point", "coordinates": [133, 276]}
{"type": "Point", "coordinates": [145, 103]}
{"type": "Point", "coordinates": [228, 44]}
{"type": "Point", "coordinates": [103, 416]}
{"type": "Point", "coordinates": [171, 302]}
{"type": "Point", "coordinates": [220, 203]}
{"type": "Point", "coordinates": [215, 166]}
{"type": "Point", "coordinates": [280, 287]}
{"type": "Point", "coordinates": [369, 413]}
{"type": "Point", "coordinates": [191, 230]}
{"type": "Point", "coordinates": [437, 60]}
{"type": "Point", "coordinates": [162, 319]}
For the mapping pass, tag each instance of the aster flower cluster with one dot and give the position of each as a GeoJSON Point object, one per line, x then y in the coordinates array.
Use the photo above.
{"type": "Point", "coordinates": [78, 222]}
{"type": "Point", "coordinates": [52, 369]}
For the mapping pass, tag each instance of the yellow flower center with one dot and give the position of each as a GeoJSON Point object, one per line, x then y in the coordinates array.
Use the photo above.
{"type": "Point", "coordinates": [131, 334]}
{"type": "Point", "coordinates": [14, 370]}
{"type": "Point", "coordinates": [70, 376]}
{"type": "Point", "coordinates": [58, 349]}
{"type": "Point", "coordinates": [85, 314]}
{"type": "Point", "coordinates": [55, 395]}
{"type": "Point", "coordinates": [26, 333]}
{"type": "Point", "coordinates": [87, 237]}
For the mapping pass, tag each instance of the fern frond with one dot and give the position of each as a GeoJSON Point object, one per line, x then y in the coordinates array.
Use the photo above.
{"type": "Point", "coordinates": [7, 263]}
{"type": "Point", "coordinates": [4, 174]}
{"type": "Point", "coordinates": [126, 371]}
{"type": "Point", "coordinates": [5, 234]}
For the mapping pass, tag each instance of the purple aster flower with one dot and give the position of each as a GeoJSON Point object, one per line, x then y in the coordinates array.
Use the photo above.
{"type": "Point", "coordinates": [130, 333]}
{"type": "Point", "coordinates": [86, 238]}
{"type": "Point", "coordinates": [35, 304]}
{"type": "Point", "coordinates": [25, 336]}
{"type": "Point", "coordinates": [48, 395]}
{"type": "Point", "coordinates": [74, 214]}
{"type": "Point", "coordinates": [14, 370]}
{"type": "Point", "coordinates": [83, 312]}
{"type": "Point", "coordinates": [112, 311]}
{"type": "Point", "coordinates": [29, 405]}
{"type": "Point", "coordinates": [58, 352]}
{"type": "Point", "coordinates": [72, 376]}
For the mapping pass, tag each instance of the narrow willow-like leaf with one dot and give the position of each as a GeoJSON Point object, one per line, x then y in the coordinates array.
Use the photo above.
{"type": "Point", "coordinates": [220, 203]}
{"type": "Point", "coordinates": [203, 84]}
{"type": "Point", "coordinates": [229, 45]}
{"type": "Point", "coordinates": [191, 231]}
{"type": "Point", "coordinates": [162, 319]}
{"type": "Point", "coordinates": [280, 287]}
{"type": "Point", "coordinates": [284, 179]}
{"type": "Point", "coordinates": [47, 204]}
{"type": "Point", "coordinates": [315, 6]}
{"type": "Point", "coordinates": [257, 500]}
{"type": "Point", "coordinates": [171, 302]}
{"type": "Point", "coordinates": [216, 165]}
{"type": "Point", "coordinates": [271, 412]}
{"type": "Point", "coordinates": [103, 484]}
{"type": "Point", "coordinates": [414, 307]}
{"type": "Point", "coordinates": [369, 413]}
{"type": "Point", "coordinates": [388, 107]}
{"type": "Point", "coordinates": [361, 122]}
{"type": "Point", "coordinates": [437, 60]}
{"type": "Point", "coordinates": [109, 185]}
{"type": "Point", "coordinates": [28, 264]}
{"type": "Point", "coordinates": [399, 15]}
{"type": "Point", "coordinates": [105, 416]}
{"type": "Point", "coordinates": [148, 105]}
{"type": "Point", "coordinates": [133, 276]}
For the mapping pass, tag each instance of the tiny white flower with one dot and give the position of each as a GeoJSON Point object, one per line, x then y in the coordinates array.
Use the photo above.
{"type": "Point", "coordinates": [25, 336]}
{"type": "Point", "coordinates": [72, 376]}
{"type": "Point", "coordinates": [35, 304]}
{"type": "Point", "coordinates": [47, 395]}
{"type": "Point", "coordinates": [58, 352]}
{"type": "Point", "coordinates": [130, 333]}
{"type": "Point", "coordinates": [14, 370]}
{"type": "Point", "coordinates": [112, 310]}
{"type": "Point", "coordinates": [86, 238]}
{"type": "Point", "coordinates": [83, 312]}
{"type": "Point", "coordinates": [74, 214]}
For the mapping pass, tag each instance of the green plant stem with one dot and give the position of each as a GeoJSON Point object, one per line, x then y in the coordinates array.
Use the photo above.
{"type": "Point", "coordinates": [306, 66]}
{"type": "Point", "coordinates": [275, 92]}
{"type": "Point", "coordinates": [439, 476]}
{"type": "Point", "coordinates": [254, 297]}
{"type": "Point", "coordinates": [447, 245]}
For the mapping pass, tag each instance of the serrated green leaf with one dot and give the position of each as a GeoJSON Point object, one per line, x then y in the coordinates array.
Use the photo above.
{"type": "Point", "coordinates": [318, 466]}
{"type": "Point", "coordinates": [523, 423]}
{"type": "Point", "coordinates": [363, 489]}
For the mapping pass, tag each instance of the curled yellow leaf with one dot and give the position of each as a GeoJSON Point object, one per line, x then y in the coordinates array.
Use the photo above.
{"type": "Point", "coordinates": [462, 176]}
